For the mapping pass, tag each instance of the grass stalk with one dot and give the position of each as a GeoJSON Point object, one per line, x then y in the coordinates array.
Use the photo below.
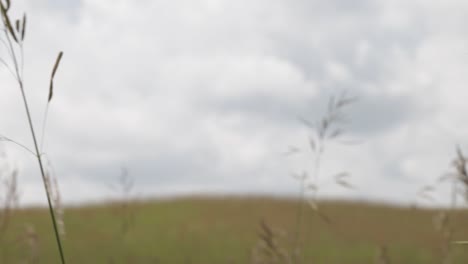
{"type": "Point", "coordinates": [43, 174]}
{"type": "Point", "coordinates": [18, 74]}
{"type": "Point", "coordinates": [328, 128]}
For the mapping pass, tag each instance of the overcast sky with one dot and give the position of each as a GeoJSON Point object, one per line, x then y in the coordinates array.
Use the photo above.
{"type": "Point", "coordinates": [204, 96]}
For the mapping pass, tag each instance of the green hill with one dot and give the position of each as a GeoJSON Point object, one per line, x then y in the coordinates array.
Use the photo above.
{"type": "Point", "coordinates": [226, 230]}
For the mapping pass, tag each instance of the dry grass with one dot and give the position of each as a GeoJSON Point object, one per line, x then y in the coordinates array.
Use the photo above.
{"type": "Point", "coordinates": [125, 211]}
{"type": "Point", "coordinates": [269, 248]}
{"type": "Point", "coordinates": [8, 199]}
{"type": "Point", "coordinates": [8, 196]}
{"type": "Point", "coordinates": [330, 127]}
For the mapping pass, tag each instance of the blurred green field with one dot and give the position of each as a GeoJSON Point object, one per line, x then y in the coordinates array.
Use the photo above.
{"type": "Point", "coordinates": [224, 230]}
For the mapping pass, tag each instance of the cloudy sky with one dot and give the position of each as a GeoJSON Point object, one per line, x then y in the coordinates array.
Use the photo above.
{"type": "Point", "coordinates": [204, 96]}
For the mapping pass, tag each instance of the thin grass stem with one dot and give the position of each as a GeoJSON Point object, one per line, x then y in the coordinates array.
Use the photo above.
{"type": "Point", "coordinates": [43, 174]}
{"type": "Point", "coordinates": [19, 77]}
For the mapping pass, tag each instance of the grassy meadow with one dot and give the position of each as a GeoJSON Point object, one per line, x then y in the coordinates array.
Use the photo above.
{"type": "Point", "coordinates": [225, 230]}
{"type": "Point", "coordinates": [202, 229]}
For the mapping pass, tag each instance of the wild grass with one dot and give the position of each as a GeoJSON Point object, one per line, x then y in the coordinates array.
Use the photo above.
{"type": "Point", "coordinates": [225, 230]}
{"type": "Point", "coordinates": [125, 212]}
{"type": "Point", "coordinates": [444, 219]}
{"type": "Point", "coordinates": [270, 247]}
{"type": "Point", "coordinates": [458, 178]}
{"type": "Point", "coordinates": [221, 230]}
{"type": "Point", "coordinates": [8, 198]}
{"type": "Point", "coordinates": [14, 32]}
{"type": "Point", "coordinates": [329, 128]}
